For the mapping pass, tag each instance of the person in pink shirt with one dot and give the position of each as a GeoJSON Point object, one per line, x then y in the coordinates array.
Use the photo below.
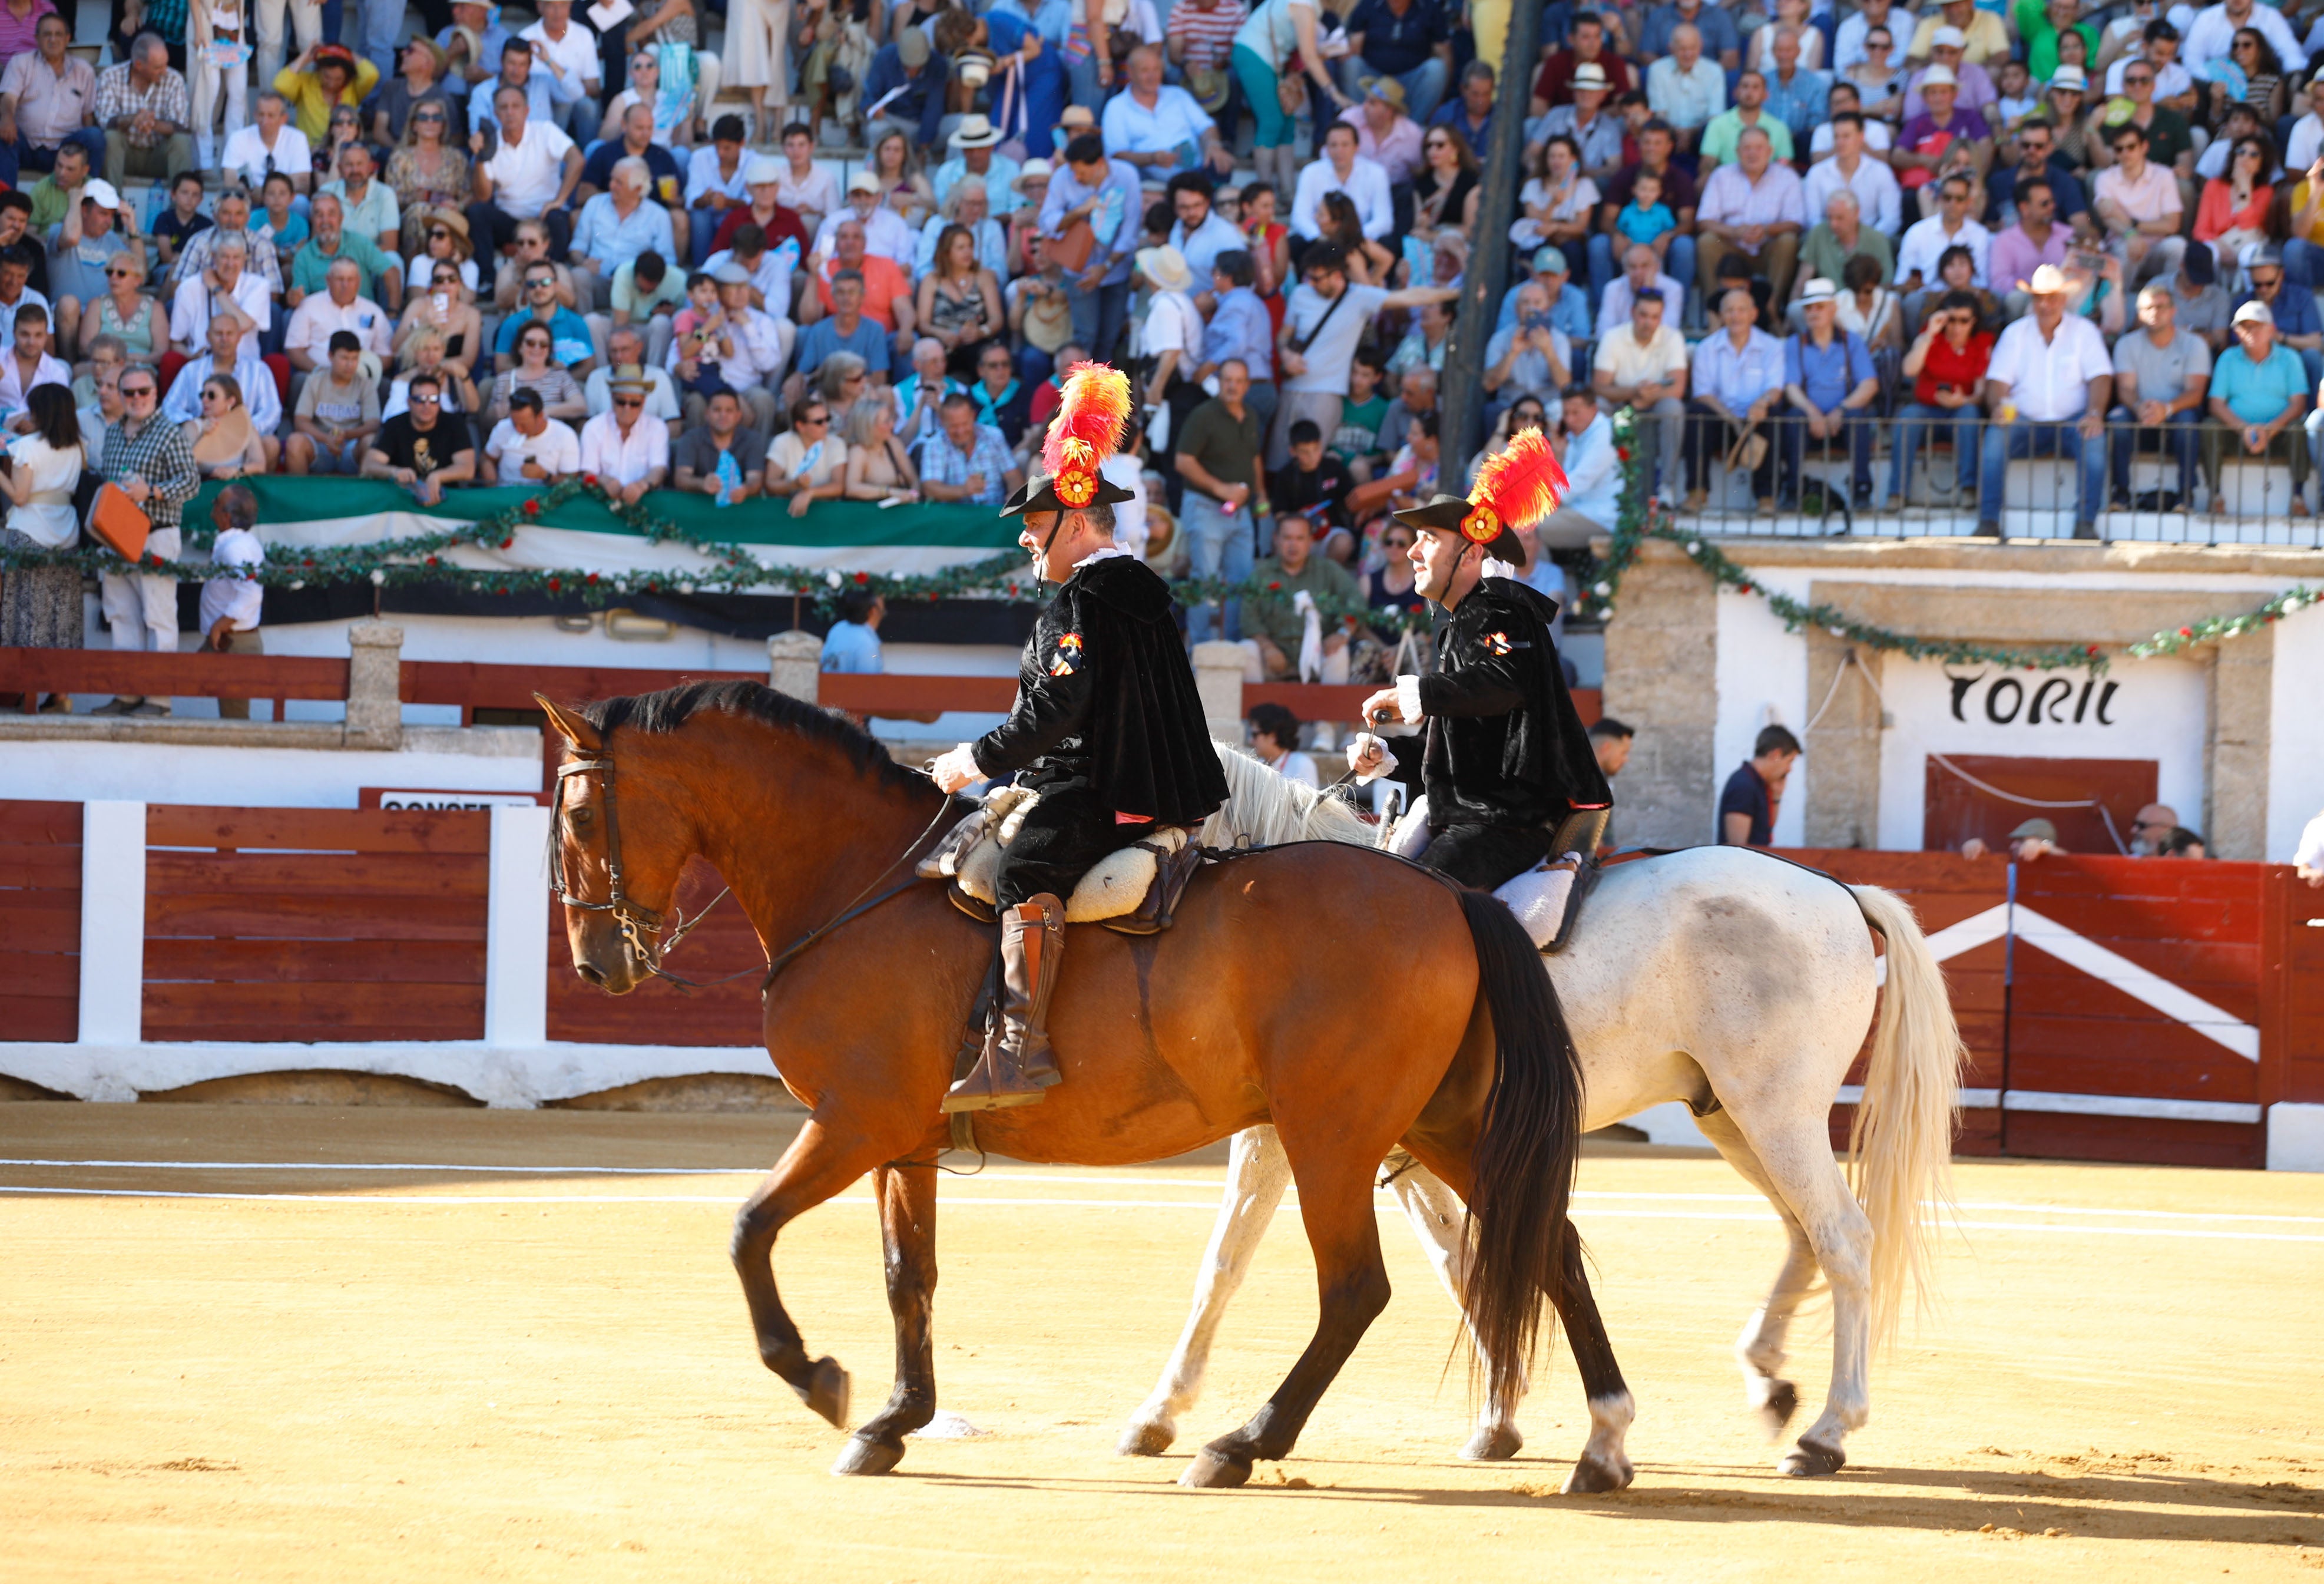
{"type": "Point", "coordinates": [1384, 133]}
{"type": "Point", "coordinates": [2036, 239]}
{"type": "Point", "coordinates": [20, 25]}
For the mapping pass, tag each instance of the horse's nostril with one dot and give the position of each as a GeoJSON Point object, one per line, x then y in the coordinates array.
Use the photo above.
{"type": "Point", "coordinates": [590, 972]}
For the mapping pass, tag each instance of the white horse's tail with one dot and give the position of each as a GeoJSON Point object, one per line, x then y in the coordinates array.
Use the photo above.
{"type": "Point", "coordinates": [1900, 1149]}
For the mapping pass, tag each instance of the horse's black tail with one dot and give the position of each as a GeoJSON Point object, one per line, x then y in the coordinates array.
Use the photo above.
{"type": "Point", "coordinates": [1521, 1174]}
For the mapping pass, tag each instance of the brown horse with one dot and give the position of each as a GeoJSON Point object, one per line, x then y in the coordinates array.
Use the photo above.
{"type": "Point", "coordinates": [1429, 1023]}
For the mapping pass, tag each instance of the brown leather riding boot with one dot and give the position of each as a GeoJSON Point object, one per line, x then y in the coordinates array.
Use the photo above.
{"type": "Point", "coordinates": [1016, 1065]}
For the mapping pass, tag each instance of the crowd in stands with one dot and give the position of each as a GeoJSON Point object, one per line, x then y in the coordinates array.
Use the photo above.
{"type": "Point", "coordinates": [499, 251]}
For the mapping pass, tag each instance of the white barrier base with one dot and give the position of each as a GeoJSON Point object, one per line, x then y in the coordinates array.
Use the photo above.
{"type": "Point", "coordinates": [2295, 1136]}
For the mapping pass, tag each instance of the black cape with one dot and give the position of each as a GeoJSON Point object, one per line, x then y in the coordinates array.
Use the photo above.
{"type": "Point", "coordinates": [1506, 746]}
{"type": "Point", "coordinates": [1105, 696]}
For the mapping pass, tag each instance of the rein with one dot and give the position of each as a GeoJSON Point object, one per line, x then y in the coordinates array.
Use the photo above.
{"type": "Point", "coordinates": [642, 926]}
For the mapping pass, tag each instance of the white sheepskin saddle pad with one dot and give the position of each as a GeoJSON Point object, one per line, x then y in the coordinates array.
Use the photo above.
{"type": "Point", "coordinates": [1537, 897]}
{"type": "Point", "coordinates": [970, 858]}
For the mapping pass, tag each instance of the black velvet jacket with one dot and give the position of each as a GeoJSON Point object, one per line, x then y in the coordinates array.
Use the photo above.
{"type": "Point", "coordinates": [1505, 746]}
{"type": "Point", "coordinates": [1105, 696]}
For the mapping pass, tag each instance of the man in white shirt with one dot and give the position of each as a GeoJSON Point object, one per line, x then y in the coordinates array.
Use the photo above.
{"type": "Point", "coordinates": [1753, 206]}
{"type": "Point", "coordinates": [1925, 242]}
{"type": "Point", "coordinates": [885, 232]}
{"type": "Point", "coordinates": [339, 306]}
{"type": "Point", "coordinates": [269, 144]}
{"type": "Point", "coordinates": [2048, 388]}
{"type": "Point", "coordinates": [717, 178]}
{"type": "Point", "coordinates": [530, 176]}
{"type": "Point", "coordinates": [2212, 36]}
{"type": "Point", "coordinates": [626, 354]}
{"type": "Point", "coordinates": [2307, 133]}
{"type": "Point", "coordinates": [1852, 169]}
{"type": "Point", "coordinates": [803, 187]}
{"type": "Point", "coordinates": [230, 352]}
{"type": "Point", "coordinates": [528, 447]}
{"type": "Point", "coordinates": [1343, 170]}
{"type": "Point", "coordinates": [626, 447]}
{"type": "Point", "coordinates": [1642, 276]}
{"type": "Point", "coordinates": [1159, 128]}
{"type": "Point", "coordinates": [567, 52]}
{"type": "Point", "coordinates": [227, 280]}
{"type": "Point", "coordinates": [1644, 367]}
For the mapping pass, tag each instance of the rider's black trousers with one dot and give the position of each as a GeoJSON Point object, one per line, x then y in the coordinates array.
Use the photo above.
{"type": "Point", "coordinates": [1061, 839]}
{"type": "Point", "coordinates": [1483, 857]}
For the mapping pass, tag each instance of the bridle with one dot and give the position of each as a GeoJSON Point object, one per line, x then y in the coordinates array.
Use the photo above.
{"type": "Point", "coordinates": [642, 927]}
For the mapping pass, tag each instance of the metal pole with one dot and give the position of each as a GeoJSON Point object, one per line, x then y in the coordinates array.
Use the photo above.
{"type": "Point", "coordinates": [1461, 399]}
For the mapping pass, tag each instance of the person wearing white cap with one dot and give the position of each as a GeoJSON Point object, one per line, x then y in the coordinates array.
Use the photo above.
{"type": "Point", "coordinates": [1975, 89]}
{"type": "Point", "coordinates": [1172, 337]}
{"type": "Point", "coordinates": [1987, 39]}
{"type": "Point", "coordinates": [886, 233]}
{"type": "Point", "coordinates": [2259, 393]}
{"type": "Point", "coordinates": [975, 146]}
{"type": "Point", "coordinates": [1829, 384]}
{"type": "Point", "coordinates": [2048, 387]}
{"type": "Point", "coordinates": [93, 232]}
{"type": "Point", "coordinates": [1937, 140]}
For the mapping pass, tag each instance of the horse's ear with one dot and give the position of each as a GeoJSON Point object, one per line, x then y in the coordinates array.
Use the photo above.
{"type": "Point", "coordinates": [578, 731]}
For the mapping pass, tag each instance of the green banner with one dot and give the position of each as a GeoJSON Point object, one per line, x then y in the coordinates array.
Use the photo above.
{"type": "Point", "coordinates": [768, 519]}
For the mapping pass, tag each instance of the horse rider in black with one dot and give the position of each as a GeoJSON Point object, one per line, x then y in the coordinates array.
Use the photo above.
{"type": "Point", "coordinates": [1107, 728]}
{"type": "Point", "coordinates": [1507, 768]}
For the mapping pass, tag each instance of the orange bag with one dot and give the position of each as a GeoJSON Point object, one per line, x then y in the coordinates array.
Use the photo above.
{"type": "Point", "coordinates": [121, 523]}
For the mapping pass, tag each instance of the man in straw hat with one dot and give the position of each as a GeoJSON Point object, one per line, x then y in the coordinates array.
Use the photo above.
{"type": "Point", "coordinates": [2048, 387]}
{"type": "Point", "coordinates": [1510, 776]}
{"type": "Point", "coordinates": [975, 146]}
{"type": "Point", "coordinates": [1107, 728]}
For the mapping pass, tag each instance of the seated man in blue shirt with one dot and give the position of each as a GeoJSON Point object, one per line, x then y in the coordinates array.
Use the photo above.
{"type": "Point", "coordinates": [2259, 393]}
{"type": "Point", "coordinates": [1239, 327]}
{"type": "Point", "coordinates": [1754, 793]}
{"type": "Point", "coordinates": [1829, 385]}
{"type": "Point", "coordinates": [1569, 304]}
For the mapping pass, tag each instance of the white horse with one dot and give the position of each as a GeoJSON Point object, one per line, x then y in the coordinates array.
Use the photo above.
{"type": "Point", "coordinates": [1741, 985]}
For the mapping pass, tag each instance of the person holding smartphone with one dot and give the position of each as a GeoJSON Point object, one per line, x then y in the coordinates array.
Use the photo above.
{"type": "Point", "coordinates": [1946, 364]}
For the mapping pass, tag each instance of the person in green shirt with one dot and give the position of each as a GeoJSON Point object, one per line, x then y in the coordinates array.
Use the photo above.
{"type": "Point", "coordinates": [1720, 133]}
{"type": "Point", "coordinates": [1271, 618]}
{"type": "Point", "coordinates": [2039, 24]}
{"type": "Point", "coordinates": [1357, 441]}
{"type": "Point", "coordinates": [382, 277]}
{"type": "Point", "coordinates": [49, 194]}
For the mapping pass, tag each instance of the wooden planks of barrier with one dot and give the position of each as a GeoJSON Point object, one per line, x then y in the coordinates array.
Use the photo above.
{"type": "Point", "coordinates": [659, 1013]}
{"type": "Point", "coordinates": [40, 918]}
{"type": "Point", "coordinates": [315, 923]}
{"type": "Point", "coordinates": [198, 675]}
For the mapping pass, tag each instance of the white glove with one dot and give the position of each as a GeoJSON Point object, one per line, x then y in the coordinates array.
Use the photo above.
{"type": "Point", "coordinates": [956, 770]}
{"type": "Point", "coordinates": [1370, 758]}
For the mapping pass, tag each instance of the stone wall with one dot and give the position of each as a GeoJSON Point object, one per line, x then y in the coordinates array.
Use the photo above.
{"type": "Point", "coordinates": [1660, 652]}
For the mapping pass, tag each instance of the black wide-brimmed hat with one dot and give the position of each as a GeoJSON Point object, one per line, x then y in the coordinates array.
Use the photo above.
{"type": "Point", "coordinates": [1449, 514]}
{"type": "Point", "coordinates": [1040, 493]}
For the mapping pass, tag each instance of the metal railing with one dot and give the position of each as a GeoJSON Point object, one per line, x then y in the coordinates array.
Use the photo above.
{"type": "Point", "coordinates": [1903, 475]}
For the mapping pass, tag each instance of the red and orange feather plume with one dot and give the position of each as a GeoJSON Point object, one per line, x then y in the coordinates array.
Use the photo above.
{"type": "Point", "coordinates": [1517, 486]}
{"type": "Point", "coordinates": [1091, 407]}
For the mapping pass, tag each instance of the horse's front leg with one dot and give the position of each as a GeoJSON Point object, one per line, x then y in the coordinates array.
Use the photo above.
{"type": "Point", "coordinates": [1257, 1172]}
{"type": "Point", "coordinates": [811, 1170]}
{"type": "Point", "coordinates": [1441, 1221]}
{"type": "Point", "coordinates": [907, 1228]}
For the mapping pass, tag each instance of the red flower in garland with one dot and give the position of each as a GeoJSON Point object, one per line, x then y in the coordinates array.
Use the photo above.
{"type": "Point", "coordinates": [2091, 649]}
{"type": "Point", "coordinates": [432, 562]}
{"type": "Point", "coordinates": [308, 562]}
{"type": "Point", "coordinates": [554, 585]}
{"type": "Point", "coordinates": [2186, 632]}
{"type": "Point", "coordinates": [531, 508]}
{"type": "Point", "coordinates": [1275, 587]}
{"type": "Point", "coordinates": [1623, 452]}
{"type": "Point", "coordinates": [863, 579]}
{"type": "Point", "coordinates": [592, 577]}
{"type": "Point", "coordinates": [590, 479]}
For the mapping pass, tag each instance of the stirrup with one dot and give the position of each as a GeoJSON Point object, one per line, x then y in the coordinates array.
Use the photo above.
{"type": "Point", "coordinates": [1172, 870]}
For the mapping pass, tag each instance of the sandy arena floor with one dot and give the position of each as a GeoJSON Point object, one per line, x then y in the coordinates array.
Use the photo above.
{"type": "Point", "coordinates": [548, 1374]}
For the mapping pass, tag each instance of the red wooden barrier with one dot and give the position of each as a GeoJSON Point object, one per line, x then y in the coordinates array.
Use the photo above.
{"type": "Point", "coordinates": [2292, 991]}
{"type": "Point", "coordinates": [656, 1014]}
{"type": "Point", "coordinates": [40, 918]}
{"type": "Point", "coordinates": [314, 924]}
{"type": "Point", "coordinates": [198, 675]}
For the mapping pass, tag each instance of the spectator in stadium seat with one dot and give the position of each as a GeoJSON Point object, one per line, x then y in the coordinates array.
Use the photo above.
{"type": "Point", "coordinates": [1278, 627]}
{"type": "Point", "coordinates": [1274, 734]}
{"type": "Point", "coordinates": [1216, 457]}
{"type": "Point", "coordinates": [1643, 365]}
{"type": "Point", "coordinates": [617, 225]}
{"type": "Point", "coordinates": [230, 353]}
{"type": "Point", "coordinates": [1723, 132]}
{"type": "Point", "coordinates": [1753, 795]}
{"type": "Point", "coordinates": [1323, 319]}
{"type": "Point", "coordinates": [1592, 505]}
{"type": "Point", "coordinates": [528, 447]}
{"type": "Point", "coordinates": [1313, 483]}
{"type": "Point", "coordinates": [1946, 365]}
{"type": "Point", "coordinates": [1831, 384]}
{"type": "Point", "coordinates": [1157, 127]}
{"type": "Point", "coordinates": [421, 449]}
{"type": "Point", "coordinates": [624, 447]}
{"type": "Point", "coordinates": [2138, 205]}
{"type": "Point", "coordinates": [1838, 242]}
{"type": "Point", "coordinates": [807, 462]}
{"type": "Point", "coordinates": [2161, 374]}
{"type": "Point", "coordinates": [378, 277]}
{"type": "Point", "coordinates": [1717, 35]}
{"type": "Point", "coordinates": [531, 175]}
{"type": "Point", "coordinates": [1685, 89]}
{"type": "Point", "coordinates": [1737, 383]}
{"type": "Point", "coordinates": [2027, 844]}
{"type": "Point", "coordinates": [2259, 393]}
{"type": "Point", "coordinates": [721, 457]}
{"type": "Point", "coordinates": [2054, 369]}
{"type": "Point", "coordinates": [1855, 169]}
{"type": "Point", "coordinates": [1586, 43]}
{"type": "Point", "coordinates": [1756, 208]}
{"type": "Point", "coordinates": [337, 413]}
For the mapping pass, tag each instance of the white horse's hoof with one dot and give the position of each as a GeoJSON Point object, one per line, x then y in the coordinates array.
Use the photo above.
{"type": "Point", "coordinates": [867, 1457]}
{"type": "Point", "coordinates": [1495, 1443]}
{"type": "Point", "coordinates": [1148, 1439]}
{"type": "Point", "coordinates": [1809, 1460]}
{"type": "Point", "coordinates": [1783, 1401]}
{"type": "Point", "coordinates": [1592, 1476]}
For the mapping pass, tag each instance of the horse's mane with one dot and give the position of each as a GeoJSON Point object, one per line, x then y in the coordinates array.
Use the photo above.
{"type": "Point", "coordinates": [672, 708]}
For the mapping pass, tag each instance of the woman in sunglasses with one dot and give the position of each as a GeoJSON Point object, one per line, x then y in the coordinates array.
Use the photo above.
{"type": "Point", "coordinates": [1444, 192]}
{"type": "Point", "coordinates": [429, 174]}
{"type": "Point", "coordinates": [226, 443]}
{"type": "Point", "coordinates": [421, 83]}
{"type": "Point", "coordinates": [442, 304]}
{"type": "Point", "coordinates": [1947, 366]}
{"type": "Point", "coordinates": [537, 369]}
{"type": "Point", "coordinates": [2239, 207]}
{"type": "Point", "coordinates": [124, 313]}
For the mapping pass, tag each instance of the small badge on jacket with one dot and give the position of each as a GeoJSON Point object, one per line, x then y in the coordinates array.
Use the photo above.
{"type": "Point", "coordinates": [1500, 644]}
{"type": "Point", "coordinates": [1069, 656]}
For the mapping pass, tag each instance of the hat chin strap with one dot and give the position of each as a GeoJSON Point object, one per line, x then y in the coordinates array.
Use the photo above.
{"type": "Point", "coordinates": [1467, 544]}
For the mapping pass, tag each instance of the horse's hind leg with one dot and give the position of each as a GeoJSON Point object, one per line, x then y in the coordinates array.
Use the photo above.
{"type": "Point", "coordinates": [1441, 1221]}
{"type": "Point", "coordinates": [907, 1229]}
{"type": "Point", "coordinates": [1603, 1464]}
{"type": "Point", "coordinates": [1793, 1147]}
{"type": "Point", "coordinates": [1760, 1349]}
{"type": "Point", "coordinates": [1335, 1201]}
{"type": "Point", "coordinates": [1257, 1172]}
{"type": "Point", "coordinates": [810, 1172]}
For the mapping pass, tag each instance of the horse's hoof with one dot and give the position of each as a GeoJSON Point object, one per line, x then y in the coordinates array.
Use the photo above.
{"type": "Point", "coordinates": [1495, 1443]}
{"type": "Point", "coordinates": [867, 1457]}
{"type": "Point", "coordinates": [1810, 1458]}
{"type": "Point", "coordinates": [1592, 1476]}
{"type": "Point", "coordinates": [826, 1391]}
{"type": "Point", "coordinates": [1149, 1439]}
{"type": "Point", "coordinates": [1776, 1413]}
{"type": "Point", "coordinates": [1214, 1470]}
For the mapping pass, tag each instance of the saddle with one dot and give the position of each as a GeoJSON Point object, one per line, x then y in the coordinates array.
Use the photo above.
{"type": "Point", "coordinates": [1133, 890]}
{"type": "Point", "coordinates": [1546, 899]}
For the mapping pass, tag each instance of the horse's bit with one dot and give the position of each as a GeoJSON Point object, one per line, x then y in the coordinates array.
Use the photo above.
{"type": "Point", "coordinates": [641, 926]}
